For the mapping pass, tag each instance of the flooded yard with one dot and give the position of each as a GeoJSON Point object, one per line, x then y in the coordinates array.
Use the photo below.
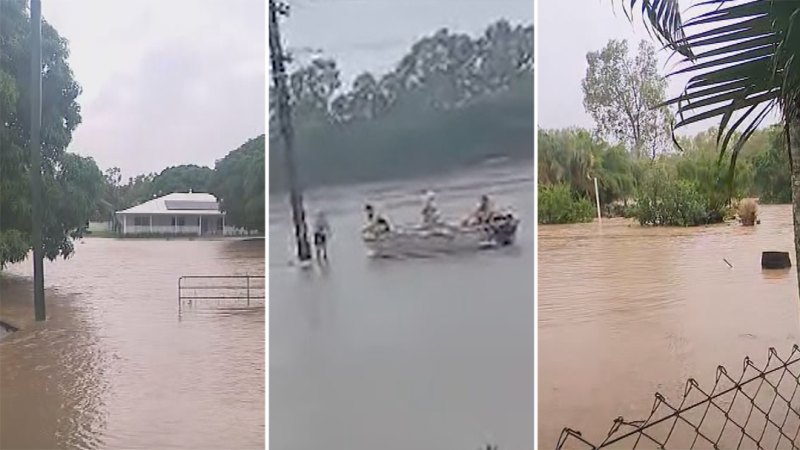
{"type": "Point", "coordinates": [114, 367]}
{"type": "Point", "coordinates": [627, 311]}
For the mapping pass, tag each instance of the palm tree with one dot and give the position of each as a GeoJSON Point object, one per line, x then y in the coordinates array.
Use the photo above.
{"type": "Point", "coordinates": [744, 58]}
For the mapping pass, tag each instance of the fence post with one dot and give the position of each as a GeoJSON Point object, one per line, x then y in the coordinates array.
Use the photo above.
{"type": "Point", "coordinates": [597, 200]}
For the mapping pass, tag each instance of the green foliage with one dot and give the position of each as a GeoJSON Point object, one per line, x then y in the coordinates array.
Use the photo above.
{"type": "Point", "coordinates": [558, 204]}
{"type": "Point", "coordinates": [712, 179]}
{"type": "Point", "coordinates": [239, 184]}
{"type": "Point", "coordinates": [772, 178]}
{"type": "Point", "coordinates": [664, 199]}
{"type": "Point", "coordinates": [14, 246]}
{"type": "Point", "coordinates": [182, 179]}
{"type": "Point", "coordinates": [575, 157]}
{"type": "Point", "coordinates": [452, 101]}
{"type": "Point", "coordinates": [70, 181]}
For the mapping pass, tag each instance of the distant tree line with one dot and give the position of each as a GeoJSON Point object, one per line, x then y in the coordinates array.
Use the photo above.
{"type": "Point", "coordinates": [237, 180]}
{"type": "Point", "coordinates": [452, 101]}
{"type": "Point", "coordinates": [687, 185]}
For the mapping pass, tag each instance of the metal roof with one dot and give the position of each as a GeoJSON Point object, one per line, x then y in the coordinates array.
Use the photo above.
{"type": "Point", "coordinates": [178, 204]}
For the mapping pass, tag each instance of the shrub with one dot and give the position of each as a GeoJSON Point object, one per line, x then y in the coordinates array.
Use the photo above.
{"type": "Point", "coordinates": [558, 204]}
{"type": "Point", "coordinates": [664, 200]}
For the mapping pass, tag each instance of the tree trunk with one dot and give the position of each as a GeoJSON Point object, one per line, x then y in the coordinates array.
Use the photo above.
{"type": "Point", "coordinates": [794, 153]}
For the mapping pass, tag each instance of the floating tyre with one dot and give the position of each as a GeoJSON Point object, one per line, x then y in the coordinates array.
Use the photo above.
{"type": "Point", "coordinates": [775, 260]}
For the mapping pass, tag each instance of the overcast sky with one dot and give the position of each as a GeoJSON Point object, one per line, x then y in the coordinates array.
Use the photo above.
{"type": "Point", "coordinates": [374, 34]}
{"type": "Point", "coordinates": [566, 33]}
{"type": "Point", "coordinates": [165, 82]}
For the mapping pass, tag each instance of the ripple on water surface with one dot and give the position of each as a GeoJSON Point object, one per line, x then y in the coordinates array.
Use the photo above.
{"type": "Point", "coordinates": [113, 367]}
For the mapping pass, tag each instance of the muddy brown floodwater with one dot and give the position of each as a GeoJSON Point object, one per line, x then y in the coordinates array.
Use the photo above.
{"type": "Point", "coordinates": [113, 367]}
{"type": "Point", "coordinates": [626, 311]}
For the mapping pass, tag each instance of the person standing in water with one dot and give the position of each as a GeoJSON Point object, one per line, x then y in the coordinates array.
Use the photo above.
{"type": "Point", "coordinates": [430, 213]}
{"type": "Point", "coordinates": [322, 231]}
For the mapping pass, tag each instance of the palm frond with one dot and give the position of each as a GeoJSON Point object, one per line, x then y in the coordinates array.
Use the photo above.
{"type": "Point", "coordinates": [663, 21]}
{"type": "Point", "coordinates": [741, 58]}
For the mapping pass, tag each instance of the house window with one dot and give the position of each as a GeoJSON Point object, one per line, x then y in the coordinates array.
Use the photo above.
{"type": "Point", "coordinates": [141, 221]}
{"type": "Point", "coordinates": [181, 221]}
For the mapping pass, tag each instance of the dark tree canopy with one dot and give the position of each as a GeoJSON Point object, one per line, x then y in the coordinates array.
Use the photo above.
{"type": "Point", "coordinates": [454, 100]}
{"type": "Point", "coordinates": [239, 185]}
{"type": "Point", "coordinates": [71, 182]}
{"type": "Point", "coordinates": [182, 179]}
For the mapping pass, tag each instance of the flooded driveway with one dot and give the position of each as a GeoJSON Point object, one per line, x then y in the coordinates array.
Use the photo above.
{"type": "Point", "coordinates": [626, 311]}
{"type": "Point", "coordinates": [402, 354]}
{"type": "Point", "coordinates": [113, 367]}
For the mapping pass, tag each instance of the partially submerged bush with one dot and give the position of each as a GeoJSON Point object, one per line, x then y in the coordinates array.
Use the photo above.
{"type": "Point", "coordinates": [664, 200]}
{"type": "Point", "coordinates": [558, 205]}
{"type": "Point", "coordinates": [748, 212]}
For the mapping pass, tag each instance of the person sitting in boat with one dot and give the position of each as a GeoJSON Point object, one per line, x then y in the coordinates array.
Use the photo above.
{"type": "Point", "coordinates": [376, 222]}
{"type": "Point", "coordinates": [321, 232]}
{"type": "Point", "coordinates": [430, 213]}
{"type": "Point", "coordinates": [483, 214]}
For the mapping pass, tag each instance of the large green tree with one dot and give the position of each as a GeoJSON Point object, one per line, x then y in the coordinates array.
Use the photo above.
{"type": "Point", "coordinates": [70, 182]}
{"type": "Point", "coordinates": [743, 58]}
{"type": "Point", "coordinates": [622, 94]}
{"type": "Point", "coordinates": [239, 185]}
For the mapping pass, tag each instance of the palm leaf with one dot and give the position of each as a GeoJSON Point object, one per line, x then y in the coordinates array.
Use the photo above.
{"type": "Point", "coordinates": [740, 55]}
{"type": "Point", "coordinates": [664, 21]}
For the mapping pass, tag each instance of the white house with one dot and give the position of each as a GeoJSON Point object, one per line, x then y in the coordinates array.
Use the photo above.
{"type": "Point", "coordinates": [181, 213]}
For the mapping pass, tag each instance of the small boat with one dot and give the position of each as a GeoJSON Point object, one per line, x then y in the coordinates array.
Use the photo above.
{"type": "Point", "coordinates": [422, 241]}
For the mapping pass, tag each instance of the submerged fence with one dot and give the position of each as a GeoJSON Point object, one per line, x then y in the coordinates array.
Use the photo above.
{"type": "Point", "coordinates": [759, 409]}
{"type": "Point", "coordinates": [218, 288]}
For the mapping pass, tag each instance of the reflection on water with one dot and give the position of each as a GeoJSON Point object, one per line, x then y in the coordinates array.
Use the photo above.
{"type": "Point", "coordinates": [431, 353]}
{"type": "Point", "coordinates": [114, 368]}
{"type": "Point", "coordinates": [625, 311]}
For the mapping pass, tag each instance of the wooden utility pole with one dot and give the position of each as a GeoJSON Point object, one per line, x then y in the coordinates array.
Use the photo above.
{"type": "Point", "coordinates": [277, 60]}
{"type": "Point", "coordinates": [36, 159]}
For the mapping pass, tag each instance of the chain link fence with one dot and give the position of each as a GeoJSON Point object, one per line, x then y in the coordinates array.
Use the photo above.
{"type": "Point", "coordinates": [759, 409]}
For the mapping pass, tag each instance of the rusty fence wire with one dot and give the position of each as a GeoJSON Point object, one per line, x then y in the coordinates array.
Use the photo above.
{"type": "Point", "coordinates": [759, 409]}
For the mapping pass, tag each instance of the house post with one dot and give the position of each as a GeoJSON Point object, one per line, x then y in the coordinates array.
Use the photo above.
{"type": "Point", "coordinates": [199, 225]}
{"type": "Point", "coordinates": [223, 225]}
{"type": "Point", "coordinates": [175, 225]}
{"type": "Point", "coordinates": [151, 224]}
{"type": "Point", "coordinates": [124, 224]}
